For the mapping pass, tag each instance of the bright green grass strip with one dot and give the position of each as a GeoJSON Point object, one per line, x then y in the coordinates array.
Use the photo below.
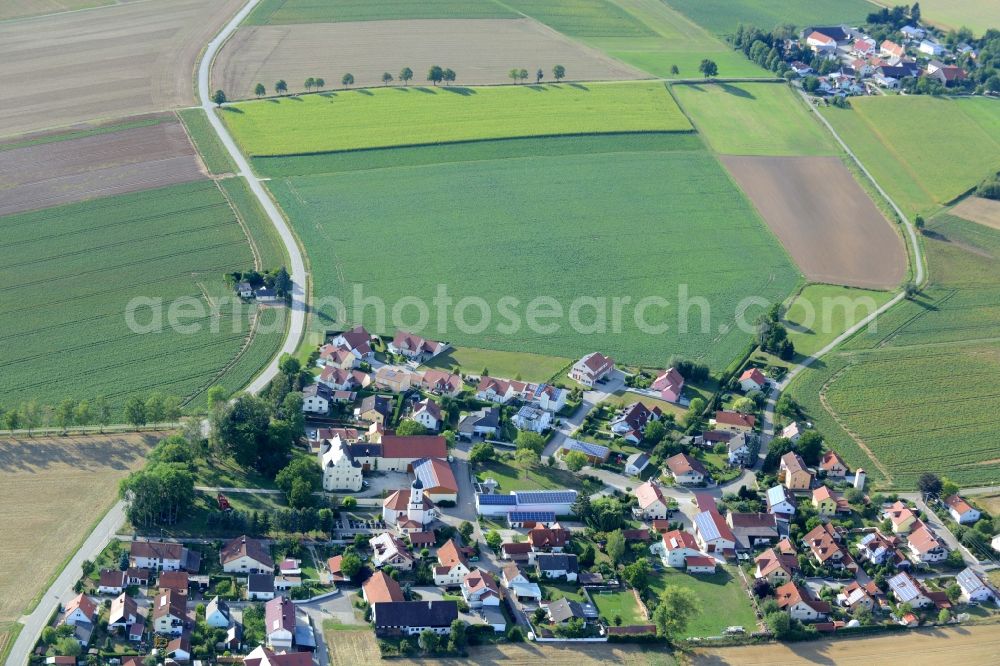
{"type": "Point", "coordinates": [385, 117]}
{"type": "Point", "coordinates": [732, 64]}
{"type": "Point", "coordinates": [381, 158]}
{"type": "Point", "coordinates": [79, 134]}
{"type": "Point", "coordinates": [548, 226]}
{"type": "Point", "coordinates": [276, 12]}
{"type": "Point", "coordinates": [583, 18]}
{"type": "Point", "coordinates": [821, 312]}
{"type": "Point", "coordinates": [214, 154]}
{"type": "Point", "coordinates": [723, 16]}
{"type": "Point", "coordinates": [753, 119]}
{"type": "Point", "coordinates": [265, 236]}
{"type": "Point", "coordinates": [527, 367]}
{"type": "Point", "coordinates": [723, 603]}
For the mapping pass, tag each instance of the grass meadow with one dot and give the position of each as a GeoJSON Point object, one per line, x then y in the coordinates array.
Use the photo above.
{"type": "Point", "coordinates": [619, 604]}
{"type": "Point", "coordinates": [70, 272]}
{"type": "Point", "coordinates": [978, 15]}
{"type": "Point", "coordinates": [916, 393]}
{"type": "Point", "coordinates": [820, 313]}
{"type": "Point", "coordinates": [924, 151]}
{"type": "Point", "coordinates": [206, 141]}
{"type": "Point", "coordinates": [399, 116]}
{"type": "Point", "coordinates": [511, 365]}
{"type": "Point", "coordinates": [722, 17]}
{"type": "Point", "coordinates": [754, 119]}
{"type": "Point", "coordinates": [721, 596]}
{"type": "Point", "coordinates": [564, 226]}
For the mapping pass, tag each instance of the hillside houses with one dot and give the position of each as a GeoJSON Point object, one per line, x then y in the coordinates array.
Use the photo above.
{"type": "Point", "coordinates": [793, 473]}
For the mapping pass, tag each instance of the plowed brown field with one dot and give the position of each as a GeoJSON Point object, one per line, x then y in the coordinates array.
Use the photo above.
{"type": "Point", "coordinates": [977, 209]}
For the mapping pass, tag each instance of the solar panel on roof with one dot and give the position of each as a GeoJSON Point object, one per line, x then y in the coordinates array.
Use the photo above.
{"type": "Point", "coordinates": [589, 449]}
{"type": "Point", "coordinates": [527, 516]}
{"type": "Point", "coordinates": [496, 500]}
{"type": "Point", "coordinates": [545, 496]}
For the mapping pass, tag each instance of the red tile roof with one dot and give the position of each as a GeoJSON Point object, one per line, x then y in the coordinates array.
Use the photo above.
{"type": "Point", "coordinates": [414, 446]}
{"type": "Point", "coordinates": [382, 588]}
{"type": "Point", "coordinates": [735, 419]}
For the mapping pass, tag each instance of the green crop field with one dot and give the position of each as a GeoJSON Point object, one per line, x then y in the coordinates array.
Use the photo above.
{"type": "Point", "coordinates": [722, 599]}
{"type": "Point", "coordinates": [916, 393]}
{"type": "Point", "coordinates": [562, 226]}
{"type": "Point", "coordinates": [723, 16]}
{"type": "Point", "coordinates": [70, 274]}
{"type": "Point", "coordinates": [204, 138]}
{"type": "Point", "coordinates": [754, 119]}
{"type": "Point", "coordinates": [821, 312]}
{"type": "Point", "coordinates": [978, 15]}
{"type": "Point", "coordinates": [382, 117]}
{"type": "Point", "coordinates": [924, 151]}
{"type": "Point", "coordinates": [275, 12]}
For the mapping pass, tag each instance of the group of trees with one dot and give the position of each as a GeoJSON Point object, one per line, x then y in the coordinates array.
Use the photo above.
{"type": "Point", "coordinates": [164, 491]}
{"type": "Point", "coordinates": [438, 75]}
{"type": "Point", "coordinates": [772, 335]}
{"type": "Point", "coordinates": [137, 411]}
{"type": "Point", "coordinates": [277, 279]}
{"type": "Point", "coordinates": [520, 75]}
{"type": "Point", "coordinates": [809, 446]}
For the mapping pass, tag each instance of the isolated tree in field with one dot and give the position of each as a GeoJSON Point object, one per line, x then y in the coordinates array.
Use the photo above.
{"type": "Point", "coordinates": [281, 87]}
{"type": "Point", "coordinates": [918, 222]}
{"type": "Point", "coordinates": [386, 78]}
{"type": "Point", "coordinates": [347, 80]}
{"type": "Point", "coordinates": [135, 411]}
{"type": "Point", "coordinates": [708, 68]}
{"type": "Point", "coordinates": [575, 460]}
{"type": "Point", "coordinates": [675, 70]}
{"type": "Point", "coordinates": [523, 75]}
{"type": "Point", "coordinates": [319, 83]}
{"type": "Point", "coordinates": [260, 90]}
{"type": "Point", "coordinates": [219, 97]}
{"type": "Point", "coordinates": [310, 82]}
{"type": "Point", "coordinates": [676, 608]}
{"type": "Point", "coordinates": [449, 75]}
{"type": "Point", "coordinates": [435, 74]}
{"type": "Point", "coordinates": [514, 74]}
{"type": "Point", "coordinates": [539, 75]}
{"type": "Point", "coordinates": [929, 484]}
{"type": "Point", "coordinates": [910, 290]}
{"type": "Point", "coordinates": [405, 75]}
{"type": "Point", "coordinates": [559, 72]}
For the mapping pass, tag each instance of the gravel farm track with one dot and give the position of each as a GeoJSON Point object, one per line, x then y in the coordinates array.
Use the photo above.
{"type": "Point", "coordinates": [827, 223]}
{"type": "Point", "coordinates": [63, 171]}
{"type": "Point", "coordinates": [110, 62]}
{"type": "Point", "coordinates": [482, 51]}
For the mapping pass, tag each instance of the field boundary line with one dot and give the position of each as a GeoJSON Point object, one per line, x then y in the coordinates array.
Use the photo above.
{"type": "Point", "coordinates": [856, 438]}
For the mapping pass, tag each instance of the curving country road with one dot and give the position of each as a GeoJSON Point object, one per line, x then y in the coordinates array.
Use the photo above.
{"type": "Point", "coordinates": [297, 270]}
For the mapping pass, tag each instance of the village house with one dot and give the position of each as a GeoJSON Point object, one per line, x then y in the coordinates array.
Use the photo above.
{"type": "Point", "coordinates": [820, 43]}
{"type": "Point", "coordinates": [548, 397]}
{"type": "Point", "coordinates": [738, 449]}
{"type": "Point", "coordinates": [389, 550]}
{"type": "Point", "coordinates": [800, 604]}
{"type": "Point", "coordinates": [517, 552]}
{"type": "Point", "coordinates": [337, 356]}
{"type": "Point", "coordinates": [793, 472]}
{"type": "Point", "coordinates": [532, 419]}
{"type": "Point", "coordinates": [636, 463]}
{"type": "Point", "coordinates": [711, 529]}
{"type": "Point", "coordinates": [498, 391]}
{"type": "Point", "coordinates": [217, 614]}
{"type": "Point", "coordinates": [518, 585]}
{"type": "Point", "coordinates": [279, 623]}
{"type": "Point", "coordinates": [792, 432]}
{"type": "Point", "coordinates": [879, 549]}
{"type": "Point", "coordinates": [394, 379]}
{"type": "Point", "coordinates": [961, 511]}
{"type": "Point", "coordinates": [901, 517]}
{"type": "Point", "coordinates": [669, 384]}
{"type": "Point", "coordinates": [260, 586]}
{"type": "Point", "coordinates": [833, 465]}
{"type": "Point", "coordinates": [863, 47]}
{"type": "Point", "coordinates": [80, 614]}
{"type": "Point", "coordinates": [178, 581]}
{"type": "Point", "coordinates": [592, 369]}
{"type": "Point", "coordinates": [531, 519]}
{"type": "Point", "coordinates": [931, 48]}
{"type": "Point", "coordinates": [595, 453]}
{"type": "Point", "coordinates": [124, 611]}
{"type": "Point", "coordinates": [780, 502]}
{"type": "Point", "coordinates": [452, 566]}
{"type": "Point", "coordinates": [548, 539]}
{"type": "Point", "coordinates": [111, 581]}
{"type": "Point", "coordinates": [752, 530]}
{"type": "Point", "coordinates": [777, 564]}
{"type": "Point", "coordinates": [316, 398]}
{"type": "Point", "coordinates": [375, 409]}
{"type": "Point", "coordinates": [178, 650]}
{"type": "Point", "coordinates": [440, 382]}
{"type": "Point", "coordinates": [557, 565]}
{"type": "Point", "coordinates": [409, 510]}
{"type": "Point", "coordinates": [479, 589]}
{"type": "Point", "coordinates": [734, 421]}
{"type": "Point", "coordinates": [137, 576]}
{"type": "Point", "coordinates": [415, 348]}
{"type": "Point", "coordinates": [338, 379]}
{"type": "Point", "coordinates": [481, 423]}
{"type": "Point", "coordinates": [381, 588]}
{"type": "Point", "coordinates": [340, 470]}
{"type": "Point", "coordinates": [829, 503]}
{"type": "Point", "coordinates": [890, 49]}
{"type": "Point", "coordinates": [752, 379]}
{"type": "Point", "coordinates": [908, 590]}
{"type": "Point", "coordinates": [156, 555]}
{"type": "Point", "coordinates": [975, 589]}
{"type": "Point", "coordinates": [824, 543]}
{"type": "Point", "coordinates": [437, 478]}
{"type": "Point", "coordinates": [925, 546]}
{"type": "Point", "coordinates": [631, 424]}
{"type": "Point", "coordinates": [855, 596]}
{"type": "Point", "coordinates": [409, 618]}
{"type": "Point", "coordinates": [261, 656]}
{"type": "Point", "coordinates": [246, 555]}
{"type": "Point", "coordinates": [675, 547]}
{"type": "Point", "coordinates": [686, 470]}
{"type": "Point", "coordinates": [169, 613]}
{"type": "Point", "coordinates": [557, 501]}
{"type": "Point", "coordinates": [357, 341]}
{"type": "Point", "coordinates": [912, 32]}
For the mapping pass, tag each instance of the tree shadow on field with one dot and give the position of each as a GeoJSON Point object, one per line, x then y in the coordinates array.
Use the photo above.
{"type": "Point", "coordinates": [274, 100]}
{"type": "Point", "coordinates": [538, 88]}
{"type": "Point", "coordinates": [405, 89]}
{"type": "Point", "coordinates": [233, 109]}
{"type": "Point", "coordinates": [425, 89]}
{"type": "Point", "coordinates": [31, 454]}
{"type": "Point", "coordinates": [365, 91]}
{"type": "Point", "coordinates": [327, 94]}
{"type": "Point", "coordinates": [579, 86]}
{"type": "Point", "coordinates": [736, 92]}
{"type": "Point", "coordinates": [296, 98]}
{"type": "Point", "coordinates": [459, 90]}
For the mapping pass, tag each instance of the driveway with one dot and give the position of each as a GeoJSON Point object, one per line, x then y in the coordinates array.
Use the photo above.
{"type": "Point", "coordinates": [337, 608]}
{"type": "Point", "coordinates": [589, 400]}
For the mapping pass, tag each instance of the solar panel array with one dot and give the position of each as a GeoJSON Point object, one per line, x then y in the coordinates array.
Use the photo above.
{"type": "Point", "coordinates": [589, 449]}
{"type": "Point", "coordinates": [496, 500]}
{"type": "Point", "coordinates": [545, 496]}
{"type": "Point", "coordinates": [531, 516]}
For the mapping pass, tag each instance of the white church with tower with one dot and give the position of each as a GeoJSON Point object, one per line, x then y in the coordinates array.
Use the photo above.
{"type": "Point", "coordinates": [409, 510]}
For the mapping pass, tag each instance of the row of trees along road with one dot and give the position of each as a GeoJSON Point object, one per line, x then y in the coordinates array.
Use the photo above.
{"type": "Point", "coordinates": [137, 411]}
{"type": "Point", "coordinates": [516, 74]}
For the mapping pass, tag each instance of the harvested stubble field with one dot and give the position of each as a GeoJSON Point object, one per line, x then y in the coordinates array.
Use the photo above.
{"type": "Point", "coordinates": [824, 219]}
{"type": "Point", "coordinates": [968, 645]}
{"type": "Point", "coordinates": [700, 231]}
{"type": "Point", "coordinates": [978, 15]}
{"type": "Point", "coordinates": [52, 491]}
{"type": "Point", "coordinates": [51, 170]}
{"type": "Point", "coordinates": [925, 151]}
{"type": "Point", "coordinates": [766, 119]}
{"type": "Point", "coordinates": [10, 9]}
{"type": "Point", "coordinates": [915, 394]}
{"type": "Point", "coordinates": [70, 273]}
{"type": "Point", "coordinates": [977, 209]}
{"type": "Point", "coordinates": [401, 116]}
{"type": "Point", "coordinates": [111, 62]}
{"type": "Point", "coordinates": [482, 51]}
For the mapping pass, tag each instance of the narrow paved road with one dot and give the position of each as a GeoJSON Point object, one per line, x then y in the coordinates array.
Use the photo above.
{"type": "Point", "coordinates": [297, 270]}
{"type": "Point", "coordinates": [590, 399]}
{"type": "Point", "coordinates": [61, 589]}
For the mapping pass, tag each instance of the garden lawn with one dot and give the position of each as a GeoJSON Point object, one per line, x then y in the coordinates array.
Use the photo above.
{"type": "Point", "coordinates": [569, 591]}
{"type": "Point", "coordinates": [576, 228]}
{"type": "Point", "coordinates": [398, 116]}
{"type": "Point", "coordinates": [821, 312]}
{"type": "Point", "coordinates": [754, 119]}
{"type": "Point", "coordinates": [723, 601]}
{"type": "Point", "coordinates": [870, 398]}
{"type": "Point", "coordinates": [511, 476]}
{"type": "Point", "coordinates": [621, 604]}
{"type": "Point", "coordinates": [509, 365]}
{"type": "Point", "coordinates": [70, 275]}
{"type": "Point", "coordinates": [925, 151]}
{"type": "Point", "coordinates": [722, 17]}
{"type": "Point", "coordinates": [277, 12]}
